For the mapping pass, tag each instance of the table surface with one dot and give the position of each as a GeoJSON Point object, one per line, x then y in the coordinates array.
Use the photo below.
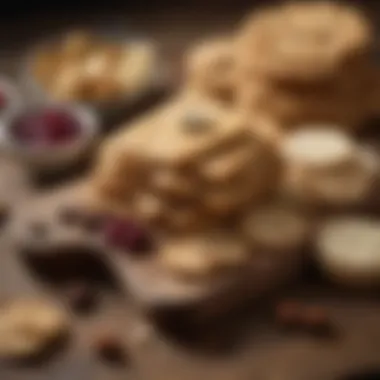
{"type": "Point", "coordinates": [258, 350]}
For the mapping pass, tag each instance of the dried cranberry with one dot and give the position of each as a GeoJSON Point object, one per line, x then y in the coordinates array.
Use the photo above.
{"type": "Point", "coordinates": [288, 313]}
{"type": "Point", "coordinates": [59, 126]}
{"type": "Point", "coordinates": [126, 234]}
{"type": "Point", "coordinates": [46, 127]}
{"type": "Point", "coordinates": [28, 130]}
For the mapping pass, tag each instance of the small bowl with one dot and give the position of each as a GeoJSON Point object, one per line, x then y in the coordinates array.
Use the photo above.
{"type": "Point", "coordinates": [156, 82]}
{"type": "Point", "coordinates": [49, 156]}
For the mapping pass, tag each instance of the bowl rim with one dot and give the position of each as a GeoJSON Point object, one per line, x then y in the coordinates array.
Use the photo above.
{"type": "Point", "coordinates": [88, 119]}
{"type": "Point", "coordinates": [12, 93]}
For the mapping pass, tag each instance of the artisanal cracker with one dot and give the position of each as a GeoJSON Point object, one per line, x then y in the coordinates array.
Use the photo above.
{"type": "Point", "coordinates": [225, 167]}
{"type": "Point", "coordinates": [306, 41]}
{"type": "Point", "coordinates": [184, 142]}
{"type": "Point", "coordinates": [174, 184]}
{"type": "Point", "coordinates": [277, 227]}
{"type": "Point", "coordinates": [345, 102]}
{"type": "Point", "coordinates": [204, 255]}
{"type": "Point", "coordinates": [27, 327]}
{"type": "Point", "coordinates": [211, 68]}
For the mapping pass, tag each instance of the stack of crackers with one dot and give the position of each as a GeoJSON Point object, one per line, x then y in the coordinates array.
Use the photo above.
{"type": "Point", "coordinates": [231, 171]}
{"type": "Point", "coordinates": [296, 62]}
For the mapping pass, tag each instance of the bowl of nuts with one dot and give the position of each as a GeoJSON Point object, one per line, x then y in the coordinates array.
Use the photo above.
{"type": "Point", "coordinates": [103, 71]}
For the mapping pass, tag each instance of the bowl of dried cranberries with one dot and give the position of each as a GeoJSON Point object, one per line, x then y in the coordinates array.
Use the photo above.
{"type": "Point", "coordinates": [50, 136]}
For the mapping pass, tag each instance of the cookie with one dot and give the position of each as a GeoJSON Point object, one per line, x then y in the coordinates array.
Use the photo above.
{"type": "Point", "coordinates": [136, 67]}
{"type": "Point", "coordinates": [174, 184]}
{"type": "Point", "coordinates": [226, 167]}
{"type": "Point", "coordinates": [179, 143]}
{"type": "Point", "coordinates": [344, 102]}
{"type": "Point", "coordinates": [202, 256]}
{"type": "Point", "coordinates": [210, 69]}
{"type": "Point", "coordinates": [29, 326]}
{"type": "Point", "coordinates": [306, 41]}
{"type": "Point", "coordinates": [277, 227]}
{"type": "Point", "coordinates": [197, 158]}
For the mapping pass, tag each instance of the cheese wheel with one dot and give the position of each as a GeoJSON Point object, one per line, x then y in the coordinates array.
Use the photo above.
{"type": "Point", "coordinates": [348, 250]}
{"type": "Point", "coordinates": [317, 147]}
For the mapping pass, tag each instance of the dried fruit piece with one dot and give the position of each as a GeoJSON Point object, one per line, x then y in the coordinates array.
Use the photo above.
{"type": "Point", "coordinates": [127, 235]}
{"type": "Point", "coordinates": [28, 327]}
{"type": "Point", "coordinates": [316, 320]}
{"type": "Point", "coordinates": [288, 313]}
{"type": "Point", "coordinates": [46, 127]}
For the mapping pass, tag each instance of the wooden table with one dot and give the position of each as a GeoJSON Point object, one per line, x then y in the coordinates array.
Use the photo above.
{"type": "Point", "coordinates": [259, 350]}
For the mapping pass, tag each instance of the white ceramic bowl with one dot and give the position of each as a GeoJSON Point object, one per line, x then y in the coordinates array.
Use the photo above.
{"type": "Point", "coordinates": [57, 156]}
{"type": "Point", "coordinates": [156, 80]}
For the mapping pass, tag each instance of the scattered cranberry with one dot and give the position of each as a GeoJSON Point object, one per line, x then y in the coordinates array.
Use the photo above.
{"type": "Point", "coordinates": [109, 347]}
{"type": "Point", "coordinates": [126, 234]}
{"type": "Point", "coordinates": [80, 296]}
{"type": "Point", "coordinates": [316, 320]}
{"type": "Point", "coordinates": [288, 313]}
{"type": "Point", "coordinates": [46, 127]}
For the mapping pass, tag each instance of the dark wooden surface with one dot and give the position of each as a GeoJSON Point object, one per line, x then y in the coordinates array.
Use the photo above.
{"type": "Point", "coordinates": [258, 349]}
